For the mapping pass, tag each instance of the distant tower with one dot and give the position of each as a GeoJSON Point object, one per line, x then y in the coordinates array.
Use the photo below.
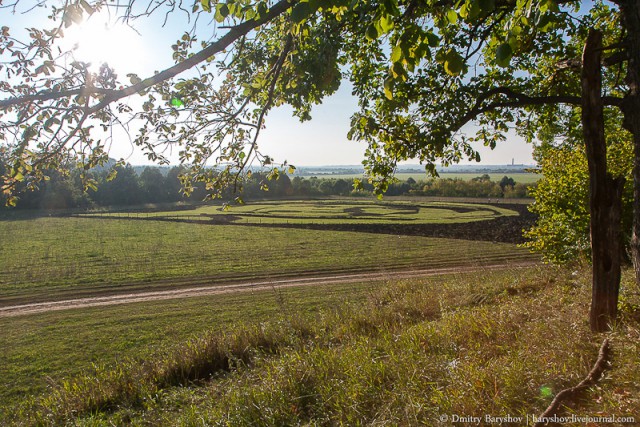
{"type": "Point", "coordinates": [513, 161]}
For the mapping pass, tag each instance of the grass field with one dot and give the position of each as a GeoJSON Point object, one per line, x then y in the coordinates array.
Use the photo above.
{"type": "Point", "coordinates": [52, 258]}
{"type": "Point", "coordinates": [398, 353]}
{"type": "Point", "coordinates": [500, 341]}
{"type": "Point", "coordinates": [334, 212]}
{"type": "Point", "coordinates": [62, 344]}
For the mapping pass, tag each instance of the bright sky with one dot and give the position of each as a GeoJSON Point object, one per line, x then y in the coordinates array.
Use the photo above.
{"type": "Point", "coordinates": [321, 141]}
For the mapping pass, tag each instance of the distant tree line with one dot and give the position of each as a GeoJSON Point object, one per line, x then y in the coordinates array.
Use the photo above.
{"type": "Point", "coordinates": [162, 185]}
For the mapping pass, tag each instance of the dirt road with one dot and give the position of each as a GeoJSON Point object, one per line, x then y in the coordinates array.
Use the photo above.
{"type": "Point", "coordinates": [252, 286]}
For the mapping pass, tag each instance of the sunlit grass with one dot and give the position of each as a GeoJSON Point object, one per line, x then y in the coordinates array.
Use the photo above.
{"type": "Point", "coordinates": [62, 343]}
{"type": "Point", "coordinates": [402, 354]}
{"type": "Point", "coordinates": [48, 258]}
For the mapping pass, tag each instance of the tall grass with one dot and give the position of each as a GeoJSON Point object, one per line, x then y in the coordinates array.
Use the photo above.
{"type": "Point", "coordinates": [498, 343]}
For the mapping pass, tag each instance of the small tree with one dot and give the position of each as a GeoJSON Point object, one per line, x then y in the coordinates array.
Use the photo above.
{"type": "Point", "coordinates": [506, 182]}
{"type": "Point", "coordinates": [153, 185]}
{"type": "Point", "coordinates": [341, 187]}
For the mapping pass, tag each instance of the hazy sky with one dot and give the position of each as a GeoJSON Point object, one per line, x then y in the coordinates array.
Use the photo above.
{"type": "Point", "coordinates": [321, 141]}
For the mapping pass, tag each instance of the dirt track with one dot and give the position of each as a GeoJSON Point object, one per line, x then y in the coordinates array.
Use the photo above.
{"type": "Point", "coordinates": [26, 309]}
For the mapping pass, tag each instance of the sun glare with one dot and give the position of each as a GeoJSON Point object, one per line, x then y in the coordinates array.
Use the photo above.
{"type": "Point", "coordinates": [98, 40]}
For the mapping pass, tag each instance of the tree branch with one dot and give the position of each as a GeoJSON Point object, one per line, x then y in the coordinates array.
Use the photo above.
{"type": "Point", "coordinates": [50, 95]}
{"type": "Point", "coordinates": [519, 100]}
{"type": "Point", "coordinates": [602, 363]}
{"type": "Point", "coordinates": [111, 96]}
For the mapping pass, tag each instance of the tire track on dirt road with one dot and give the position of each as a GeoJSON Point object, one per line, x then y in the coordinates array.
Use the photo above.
{"type": "Point", "coordinates": [251, 286]}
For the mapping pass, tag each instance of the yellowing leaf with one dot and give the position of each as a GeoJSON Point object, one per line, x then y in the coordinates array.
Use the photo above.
{"type": "Point", "coordinates": [388, 85]}
{"type": "Point", "coordinates": [452, 16]}
{"type": "Point", "coordinates": [396, 54]}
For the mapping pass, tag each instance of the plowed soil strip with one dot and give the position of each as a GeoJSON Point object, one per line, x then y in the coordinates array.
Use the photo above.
{"type": "Point", "coordinates": [253, 286]}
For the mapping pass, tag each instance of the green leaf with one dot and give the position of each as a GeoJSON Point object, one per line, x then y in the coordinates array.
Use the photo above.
{"type": "Point", "coordinates": [386, 23]}
{"type": "Point", "coordinates": [474, 11]}
{"type": "Point", "coordinates": [396, 54]}
{"type": "Point", "coordinates": [300, 12]}
{"type": "Point", "coordinates": [372, 32]}
{"type": "Point", "coordinates": [391, 7]}
{"type": "Point", "coordinates": [206, 5]}
{"type": "Point", "coordinates": [222, 11]}
{"type": "Point", "coordinates": [433, 40]}
{"type": "Point", "coordinates": [464, 11]}
{"type": "Point", "coordinates": [262, 9]}
{"type": "Point", "coordinates": [504, 52]}
{"type": "Point", "coordinates": [91, 184]}
{"type": "Point", "coordinates": [397, 70]}
{"type": "Point", "coordinates": [134, 79]}
{"type": "Point", "coordinates": [452, 16]}
{"type": "Point", "coordinates": [487, 5]}
{"type": "Point", "coordinates": [176, 102]}
{"type": "Point", "coordinates": [388, 86]}
{"type": "Point", "coordinates": [453, 63]}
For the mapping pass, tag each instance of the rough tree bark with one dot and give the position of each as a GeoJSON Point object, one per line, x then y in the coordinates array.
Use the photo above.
{"type": "Point", "coordinates": [605, 193]}
{"type": "Point", "coordinates": [630, 11]}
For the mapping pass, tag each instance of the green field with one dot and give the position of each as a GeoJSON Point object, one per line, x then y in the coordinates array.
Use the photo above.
{"type": "Point", "coordinates": [395, 352]}
{"type": "Point", "coordinates": [61, 344]}
{"type": "Point", "coordinates": [333, 212]}
{"type": "Point", "coordinates": [520, 178]}
{"type": "Point", "coordinates": [54, 258]}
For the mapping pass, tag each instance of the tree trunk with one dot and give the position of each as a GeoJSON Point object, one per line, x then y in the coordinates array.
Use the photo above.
{"type": "Point", "coordinates": [630, 10]}
{"type": "Point", "coordinates": [605, 202]}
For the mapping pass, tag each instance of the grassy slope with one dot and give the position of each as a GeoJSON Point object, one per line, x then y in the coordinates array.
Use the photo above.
{"type": "Point", "coordinates": [50, 258]}
{"type": "Point", "coordinates": [63, 343]}
{"type": "Point", "coordinates": [499, 343]}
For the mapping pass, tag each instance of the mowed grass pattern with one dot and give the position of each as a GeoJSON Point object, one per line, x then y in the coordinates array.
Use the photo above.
{"type": "Point", "coordinates": [49, 258]}
{"type": "Point", "coordinates": [334, 212]}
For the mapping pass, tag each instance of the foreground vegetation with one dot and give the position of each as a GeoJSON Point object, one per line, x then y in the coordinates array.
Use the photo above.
{"type": "Point", "coordinates": [499, 343]}
{"type": "Point", "coordinates": [39, 350]}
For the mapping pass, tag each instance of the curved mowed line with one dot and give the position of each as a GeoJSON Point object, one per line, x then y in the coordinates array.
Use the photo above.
{"type": "Point", "coordinates": [341, 212]}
